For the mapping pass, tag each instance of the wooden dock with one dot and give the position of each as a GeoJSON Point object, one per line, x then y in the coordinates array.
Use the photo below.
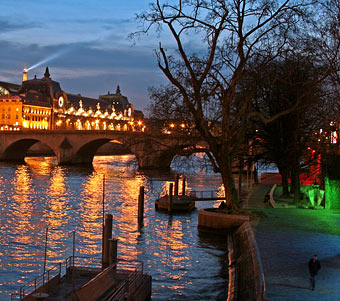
{"type": "Point", "coordinates": [91, 279]}
{"type": "Point", "coordinates": [81, 281]}
{"type": "Point", "coordinates": [179, 203]}
{"type": "Point", "coordinates": [185, 202]}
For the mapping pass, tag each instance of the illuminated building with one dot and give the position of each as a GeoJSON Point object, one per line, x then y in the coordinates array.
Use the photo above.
{"type": "Point", "coordinates": [120, 102]}
{"type": "Point", "coordinates": [41, 104]}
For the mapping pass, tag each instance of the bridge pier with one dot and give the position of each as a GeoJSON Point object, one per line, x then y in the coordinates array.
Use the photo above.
{"type": "Point", "coordinates": [152, 156]}
{"type": "Point", "coordinates": [64, 153]}
{"type": "Point", "coordinates": [154, 161]}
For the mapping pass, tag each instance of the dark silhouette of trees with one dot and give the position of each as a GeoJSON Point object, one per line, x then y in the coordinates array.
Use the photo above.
{"type": "Point", "coordinates": [231, 34]}
{"type": "Point", "coordinates": [293, 81]}
{"type": "Point", "coordinates": [307, 77]}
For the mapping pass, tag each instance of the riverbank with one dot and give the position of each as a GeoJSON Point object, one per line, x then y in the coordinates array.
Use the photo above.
{"type": "Point", "coordinates": [287, 238]}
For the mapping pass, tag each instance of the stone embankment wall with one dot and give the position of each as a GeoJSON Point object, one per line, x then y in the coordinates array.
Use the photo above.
{"type": "Point", "coordinates": [219, 223]}
{"type": "Point", "coordinates": [246, 278]}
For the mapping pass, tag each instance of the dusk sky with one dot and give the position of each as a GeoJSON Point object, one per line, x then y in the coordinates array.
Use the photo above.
{"type": "Point", "coordinates": [91, 38]}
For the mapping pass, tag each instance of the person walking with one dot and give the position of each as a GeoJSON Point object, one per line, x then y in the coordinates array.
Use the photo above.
{"type": "Point", "coordinates": [314, 267]}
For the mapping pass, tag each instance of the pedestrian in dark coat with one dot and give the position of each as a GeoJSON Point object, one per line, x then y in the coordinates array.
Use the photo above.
{"type": "Point", "coordinates": [314, 267]}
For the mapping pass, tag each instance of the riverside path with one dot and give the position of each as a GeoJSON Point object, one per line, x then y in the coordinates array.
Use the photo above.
{"type": "Point", "coordinates": [287, 238]}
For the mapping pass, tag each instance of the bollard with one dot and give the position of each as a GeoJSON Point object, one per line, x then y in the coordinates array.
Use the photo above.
{"type": "Point", "coordinates": [107, 235]}
{"type": "Point", "coordinates": [141, 204]}
{"type": "Point", "coordinates": [183, 186]}
{"type": "Point", "coordinates": [176, 185]}
{"type": "Point", "coordinates": [113, 242]}
{"type": "Point", "coordinates": [171, 188]}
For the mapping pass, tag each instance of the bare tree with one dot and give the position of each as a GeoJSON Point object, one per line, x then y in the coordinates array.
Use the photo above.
{"type": "Point", "coordinates": [231, 33]}
{"type": "Point", "coordinates": [166, 104]}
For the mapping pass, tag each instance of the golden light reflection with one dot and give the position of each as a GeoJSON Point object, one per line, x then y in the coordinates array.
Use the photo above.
{"type": "Point", "coordinates": [128, 213]}
{"type": "Point", "coordinates": [40, 165]}
{"type": "Point", "coordinates": [46, 195]}
{"type": "Point", "coordinates": [22, 212]}
{"type": "Point", "coordinates": [91, 213]}
{"type": "Point", "coordinates": [56, 201]}
{"type": "Point", "coordinates": [22, 181]}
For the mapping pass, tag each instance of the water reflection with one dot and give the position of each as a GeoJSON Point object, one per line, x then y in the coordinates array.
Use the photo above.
{"type": "Point", "coordinates": [41, 194]}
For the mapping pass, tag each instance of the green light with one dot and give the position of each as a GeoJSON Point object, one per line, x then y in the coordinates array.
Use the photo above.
{"type": "Point", "coordinates": [332, 193]}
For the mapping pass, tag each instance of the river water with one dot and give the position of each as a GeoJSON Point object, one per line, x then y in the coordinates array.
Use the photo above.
{"type": "Point", "coordinates": [184, 264]}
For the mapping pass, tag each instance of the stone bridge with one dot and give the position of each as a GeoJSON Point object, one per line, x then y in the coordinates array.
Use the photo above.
{"type": "Point", "coordinates": [152, 151]}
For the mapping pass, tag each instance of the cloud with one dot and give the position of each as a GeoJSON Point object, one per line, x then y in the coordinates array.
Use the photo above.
{"type": "Point", "coordinates": [77, 73]}
{"type": "Point", "coordinates": [6, 26]}
{"type": "Point", "coordinates": [88, 70]}
{"type": "Point", "coordinates": [106, 21]}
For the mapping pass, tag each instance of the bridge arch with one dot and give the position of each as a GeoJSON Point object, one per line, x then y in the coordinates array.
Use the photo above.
{"type": "Point", "coordinates": [85, 154]}
{"type": "Point", "coordinates": [17, 150]}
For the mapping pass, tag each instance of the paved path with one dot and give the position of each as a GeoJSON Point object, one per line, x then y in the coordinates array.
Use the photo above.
{"type": "Point", "coordinates": [287, 238]}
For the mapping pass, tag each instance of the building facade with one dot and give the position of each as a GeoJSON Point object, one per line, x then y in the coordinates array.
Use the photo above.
{"type": "Point", "coordinates": [41, 104]}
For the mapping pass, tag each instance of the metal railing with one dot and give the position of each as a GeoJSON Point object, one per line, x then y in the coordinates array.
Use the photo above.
{"type": "Point", "coordinates": [120, 293]}
{"type": "Point", "coordinates": [83, 261]}
{"type": "Point", "coordinates": [134, 277]}
{"type": "Point", "coordinates": [39, 281]}
{"type": "Point", "coordinates": [133, 281]}
{"type": "Point", "coordinates": [206, 193]}
{"type": "Point", "coordinates": [15, 296]}
{"type": "Point", "coordinates": [56, 270]}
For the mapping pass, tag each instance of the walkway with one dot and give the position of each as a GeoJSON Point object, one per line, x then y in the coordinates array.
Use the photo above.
{"type": "Point", "coordinates": [287, 238]}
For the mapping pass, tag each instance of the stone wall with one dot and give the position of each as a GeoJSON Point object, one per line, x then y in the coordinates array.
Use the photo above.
{"type": "Point", "coordinates": [214, 222]}
{"type": "Point", "coordinates": [250, 278]}
{"type": "Point", "coordinates": [246, 278]}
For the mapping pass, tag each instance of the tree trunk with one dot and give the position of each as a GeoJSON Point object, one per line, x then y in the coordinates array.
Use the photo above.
{"type": "Point", "coordinates": [223, 159]}
{"type": "Point", "coordinates": [295, 179]}
{"type": "Point", "coordinates": [240, 175]}
{"type": "Point", "coordinates": [292, 183]}
{"type": "Point", "coordinates": [256, 179]}
{"type": "Point", "coordinates": [284, 182]}
{"type": "Point", "coordinates": [229, 186]}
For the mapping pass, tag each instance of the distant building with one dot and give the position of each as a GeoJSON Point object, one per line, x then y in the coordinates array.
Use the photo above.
{"type": "Point", "coordinates": [120, 102]}
{"type": "Point", "coordinates": [41, 104]}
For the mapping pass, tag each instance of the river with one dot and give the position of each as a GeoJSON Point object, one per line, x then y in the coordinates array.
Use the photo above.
{"type": "Point", "coordinates": [184, 264]}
